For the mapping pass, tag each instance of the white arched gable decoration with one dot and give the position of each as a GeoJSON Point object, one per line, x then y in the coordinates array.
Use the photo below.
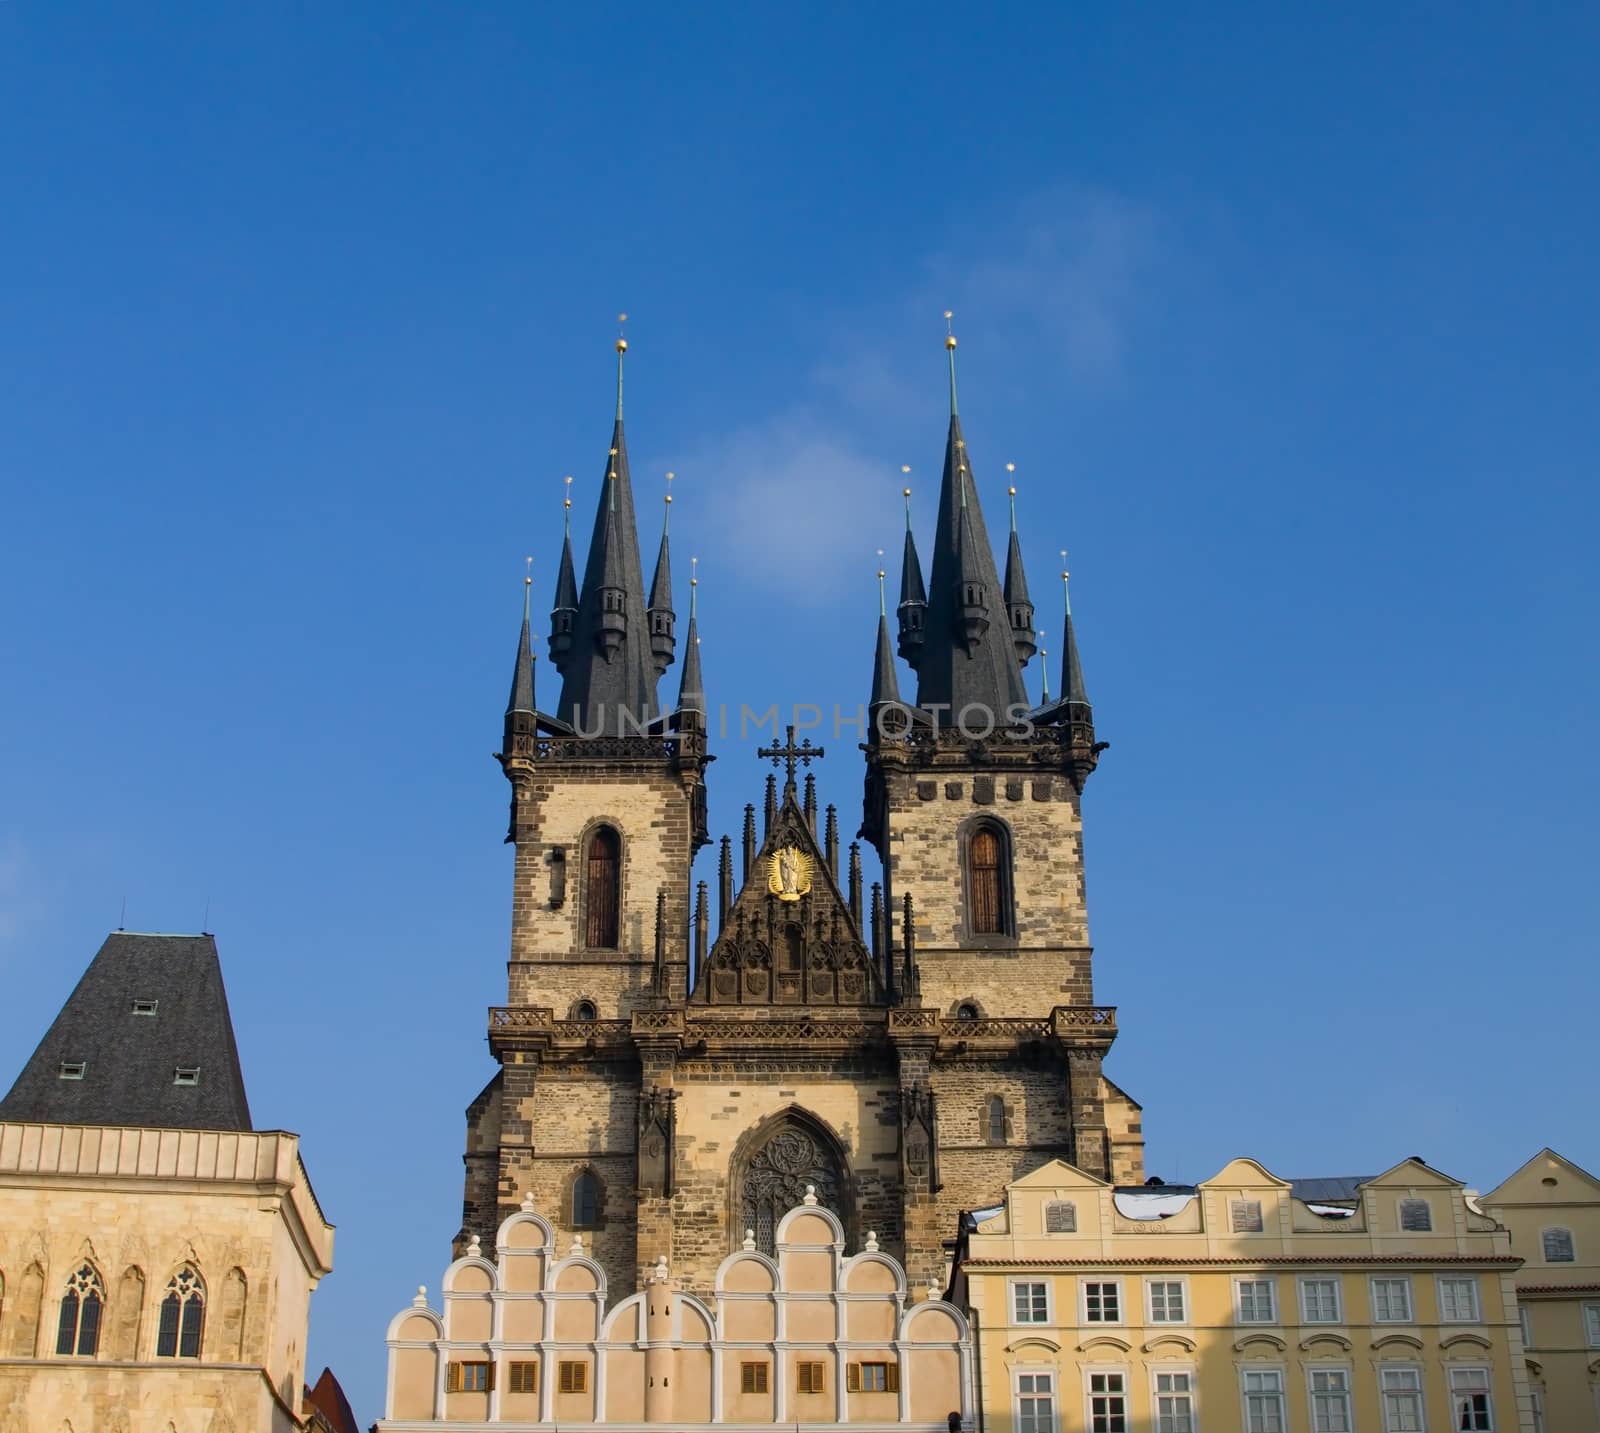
{"type": "Point", "coordinates": [547, 1237]}
{"type": "Point", "coordinates": [414, 1311]}
{"type": "Point", "coordinates": [1168, 1342]}
{"type": "Point", "coordinates": [873, 1256]}
{"type": "Point", "coordinates": [917, 1310]}
{"type": "Point", "coordinates": [609, 1323]}
{"type": "Point", "coordinates": [1105, 1340]}
{"type": "Point", "coordinates": [472, 1261]}
{"type": "Point", "coordinates": [683, 1327]}
{"type": "Point", "coordinates": [556, 1268]}
{"type": "Point", "coordinates": [828, 1215]}
{"type": "Point", "coordinates": [739, 1256]}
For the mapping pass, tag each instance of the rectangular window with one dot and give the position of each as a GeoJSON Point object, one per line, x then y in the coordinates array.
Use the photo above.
{"type": "Point", "coordinates": [1174, 1403]}
{"type": "Point", "coordinates": [1257, 1301]}
{"type": "Point", "coordinates": [1536, 1403]}
{"type": "Point", "coordinates": [1166, 1301]}
{"type": "Point", "coordinates": [1391, 1301]}
{"type": "Point", "coordinates": [872, 1378]}
{"type": "Point", "coordinates": [467, 1378]}
{"type": "Point", "coordinates": [1030, 1303]}
{"type": "Point", "coordinates": [1036, 1404]}
{"type": "Point", "coordinates": [1244, 1216]}
{"type": "Point", "coordinates": [1415, 1216]}
{"type": "Point", "coordinates": [524, 1378]}
{"type": "Point", "coordinates": [186, 1075]}
{"type": "Point", "coordinates": [1402, 1400]}
{"type": "Point", "coordinates": [144, 1007]}
{"type": "Point", "coordinates": [73, 1069]}
{"type": "Point", "coordinates": [1458, 1301]}
{"type": "Point", "coordinates": [1102, 1303]}
{"type": "Point", "coordinates": [572, 1376]}
{"type": "Point", "coordinates": [1108, 1403]}
{"type": "Point", "coordinates": [1591, 1324]}
{"type": "Point", "coordinates": [1330, 1400]}
{"type": "Point", "coordinates": [1263, 1401]}
{"type": "Point", "coordinates": [752, 1378]}
{"type": "Point", "coordinates": [1469, 1400]}
{"type": "Point", "coordinates": [1525, 1319]}
{"type": "Point", "coordinates": [808, 1378]}
{"type": "Point", "coordinates": [1319, 1301]}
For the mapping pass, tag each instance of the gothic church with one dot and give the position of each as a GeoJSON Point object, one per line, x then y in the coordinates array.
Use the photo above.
{"type": "Point", "coordinates": [669, 1081]}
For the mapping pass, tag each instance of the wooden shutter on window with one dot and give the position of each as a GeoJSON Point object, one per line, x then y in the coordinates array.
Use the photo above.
{"type": "Point", "coordinates": [985, 883]}
{"type": "Point", "coordinates": [892, 1373]}
{"type": "Point", "coordinates": [852, 1378]}
{"type": "Point", "coordinates": [452, 1378]}
{"type": "Point", "coordinates": [602, 888]}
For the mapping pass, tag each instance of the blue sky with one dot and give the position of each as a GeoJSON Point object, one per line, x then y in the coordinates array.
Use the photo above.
{"type": "Point", "coordinates": [1286, 317]}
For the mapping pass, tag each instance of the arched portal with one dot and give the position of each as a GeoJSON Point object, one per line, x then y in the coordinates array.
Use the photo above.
{"type": "Point", "coordinates": [779, 1159]}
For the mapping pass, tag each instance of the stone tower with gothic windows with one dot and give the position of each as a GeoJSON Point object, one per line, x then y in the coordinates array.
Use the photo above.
{"type": "Point", "coordinates": [666, 1090]}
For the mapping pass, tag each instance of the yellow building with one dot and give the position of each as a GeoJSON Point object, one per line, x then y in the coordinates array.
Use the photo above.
{"type": "Point", "coordinates": [528, 1336]}
{"type": "Point", "coordinates": [157, 1253]}
{"type": "Point", "coordinates": [1552, 1210]}
{"type": "Point", "coordinates": [1385, 1305]}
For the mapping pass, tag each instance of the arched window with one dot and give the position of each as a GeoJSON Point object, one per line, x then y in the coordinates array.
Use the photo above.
{"type": "Point", "coordinates": [775, 1172]}
{"type": "Point", "coordinates": [966, 1011]}
{"type": "Point", "coordinates": [586, 1200]}
{"type": "Point", "coordinates": [585, 1010]}
{"type": "Point", "coordinates": [792, 950]}
{"type": "Point", "coordinates": [183, 1316]}
{"type": "Point", "coordinates": [602, 890]}
{"type": "Point", "coordinates": [1557, 1246]}
{"type": "Point", "coordinates": [995, 1120]}
{"type": "Point", "coordinates": [988, 883]}
{"type": "Point", "coordinates": [79, 1330]}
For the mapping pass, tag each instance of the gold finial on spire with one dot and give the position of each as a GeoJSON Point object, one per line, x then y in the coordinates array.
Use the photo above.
{"type": "Point", "coordinates": [1044, 666]}
{"type": "Point", "coordinates": [622, 348]}
{"type": "Point", "coordinates": [950, 349]}
{"type": "Point", "coordinates": [1011, 491]}
{"type": "Point", "coordinates": [1066, 594]}
{"type": "Point", "coordinates": [882, 608]}
{"type": "Point", "coordinates": [905, 492]}
{"type": "Point", "coordinates": [694, 583]}
{"type": "Point", "coordinates": [527, 590]}
{"type": "Point", "coordinates": [666, 521]}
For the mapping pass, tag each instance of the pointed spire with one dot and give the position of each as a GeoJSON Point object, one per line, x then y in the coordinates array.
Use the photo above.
{"type": "Point", "coordinates": [724, 884]}
{"type": "Point", "coordinates": [564, 613]}
{"type": "Point", "coordinates": [702, 929]}
{"type": "Point", "coordinates": [771, 814]}
{"type": "Point", "coordinates": [855, 883]}
{"type": "Point", "coordinates": [663, 620]}
{"type": "Point", "coordinates": [950, 350]}
{"type": "Point", "coordinates": [968, 660]}
{"type": "Point", "coordinates": [749, 842]}
{"type": "Point", "coordinates": [1018, 604]}
{"type": "Point", "coordinates": [609, 685]}
{"type": "Point", "coordinates": [658, 976]}
{"type": "Point", "coordinates": [622, 352]}
{"type": "Point", "coordinates": [1073, 688]}
{"type": "Point", "coordinates": [691, 686]}
{"type": "Point", "coordinates": [521, 700]}
{"type": "Point", "coordinates": [913, 609]}
{"type": "Point", "coordinates": [885, 684]}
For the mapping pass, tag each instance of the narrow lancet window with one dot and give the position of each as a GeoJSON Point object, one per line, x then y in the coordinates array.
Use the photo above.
{"type": "Point", "coordinates": [603, 889]}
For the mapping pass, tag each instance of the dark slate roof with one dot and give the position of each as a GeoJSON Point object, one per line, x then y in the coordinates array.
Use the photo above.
{"type": "Point", "coordinates": [990, 676]}
{"type": "Point", "coordinates": [885, 684]}
{"type": "Point", "coordinates": [521, 699]}
{"type": "Point", "coordinates": [911, 587]}
{"type": "Point", "coordinates": [130, 1059]}
{"type": "Point", "coordinates": [1073, 688]}
{"type": "Point", "coordinates": [596, 692]}
{"type": "Point", "coordinates": [661, 583]}
{"type": "Point", "coordinates": [1332, 1189]}
{"type": "Point", "coordinates": [1016, 583]}
{"type": "Point", "coordinates": [692, 687]}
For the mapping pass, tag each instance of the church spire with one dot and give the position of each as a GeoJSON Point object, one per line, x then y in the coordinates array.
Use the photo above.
{"type": "Point", "coordinates": [692, 688]}
{"type": "Point", "coordinates": [885, 685]}
{"type": "Point", "coordinates": [663, 620]}
{"type": "Point", "coordinates": [565, 611]}
{"type": "Point", "coordinates": [1018, 604]}
{"type": "Point", "coordinates": [521, 701]}
{"type": "Point", "coordinates": [913, 609]}
{"type": "Point", "coordinates": [1073, 689]}
{"type": "Point", "coordinates": [609, 675]}
{"type": "Point", "coordinates": [968, 657]}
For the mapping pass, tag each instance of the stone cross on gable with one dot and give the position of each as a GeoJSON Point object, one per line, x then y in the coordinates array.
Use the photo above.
{"type": "Point", "coordinates": [789, 754]}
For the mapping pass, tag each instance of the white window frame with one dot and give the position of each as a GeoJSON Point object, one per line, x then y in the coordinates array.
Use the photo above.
{"type": "Point", "coordinates": [1083, 1304]}
{"type": "Point", "coordinates": [1525, 1318]}
{"type": "Point", "coordinates": [1272, 1302]}
{"type": "Point", "coordinates": [1400, 1214]}
{"type": "Point", "coordinates": [1487, 1390]}
{"type": "Point", "coordinates": [73, 1069]}
{"type": "Point", "coordinates": [1245, 1372]}
{"type": "Point", "coordinates": [1021, 1371]}
{"type": "Point", "coordinates": [1536, 1407]}
{"type": "Point", "coordinates": [1415, 1370]}
{"type": "Point", "coordinates": [1346, 1372]}
{"type": "Point", "coordinates": [1591, 1323]}
{"type": "Point", "coordinates": [1192, 1393]}
{"type": "Point", "coordinates": [1106, 1370]}
{"type": "Point", "coordinates": [1150, 1302]}
{"type": "Point", "coordinates": [1475, 1314]}
{"type": "Point", "coordinates": [1012, 1285]}
{"type": "Point", "coordinates": [1337, 1285]}
{"type": "Point", "coordinates": [1404, 1280]}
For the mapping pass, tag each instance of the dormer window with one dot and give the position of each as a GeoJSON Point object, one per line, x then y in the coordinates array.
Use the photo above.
{"type": "Point", "coordinates": [144, 1007]}
{"type": "Point", "coordinates": [73, 1069]}
{"type": "Point", "coordinates": [186, 1075]}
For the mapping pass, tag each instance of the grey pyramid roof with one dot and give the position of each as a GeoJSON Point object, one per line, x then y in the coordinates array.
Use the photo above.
{"type": "Point", "coordinates": [661, 584]}
{"type": "Point", "coordinates": [1016, 583]}
{"type": "Point", "coordinates": [885, 684]}
{"type": "Point", "coordinates": [1072, 684]}
{"type": "Point", "coordinates": [600, 696]}
{"type": "Point", "coordinates": [566, 579]}
{"type": "Point", "coordinates": [989, 676]}
{"type": "Point", "coordinates": [130, 1060]}
{"type": "Point", "coordinates": [691, 686]}
{"type": "Point", "coordinates": [521, 699]}
{"type": "Point", "coordinates": [911, 588]}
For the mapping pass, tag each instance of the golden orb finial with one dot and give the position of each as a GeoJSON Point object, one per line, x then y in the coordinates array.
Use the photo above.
{"type": "Point", "coordinates": [949, 331]}
{"type": "Point", "coordinates": [622, 343]}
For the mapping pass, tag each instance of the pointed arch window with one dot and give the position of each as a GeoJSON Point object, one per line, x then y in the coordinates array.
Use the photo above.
{"type": "Point", "coordinates": [603, 890]}
{"type": "Point", "coordinates": [183, 1316]}
{"type": "Point", "coordinates": [778, 1171]}
{"type": "Point", "coordinates": [78, 1332]}
{"type": "Point", "coordinates": [988, 881]}
{"type": "Point", "coordinates": [586, 1200]}
{"type": "Point", "coordinates": [996, 1120]}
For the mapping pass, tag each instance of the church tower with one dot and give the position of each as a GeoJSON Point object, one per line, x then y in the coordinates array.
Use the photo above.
{"type": "Point", "coordinates": [974, 805]}
{"type": "Point", "coordinates": [607, 811]}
